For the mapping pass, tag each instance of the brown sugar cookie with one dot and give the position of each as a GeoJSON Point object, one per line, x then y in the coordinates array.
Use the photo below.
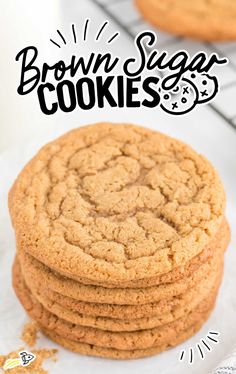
{"type": "Point", "coordinates": [189, 303]}
{"type": "Point", "coordinates": [116, 203]}
{"type": "Point", "coordinates": [199, 19]}
{"type": "Point", "coordinates": [165, 306]}
{"type": "Point", "coordinates": [143, 339]}
{"type": "Point", "coordinates": [220, 240]}
{"type": "Point", "coordinates": [131, 311]}
{"type": "Point", "coordinates": [217, 244]}
{"type": "Point", "coordinates": [92, 350]}
{"type": "Point", "coordinates": [33, 270]}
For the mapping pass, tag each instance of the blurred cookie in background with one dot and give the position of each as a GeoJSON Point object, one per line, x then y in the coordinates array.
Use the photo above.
{"type": "Point", "coordinates": [210, 20]}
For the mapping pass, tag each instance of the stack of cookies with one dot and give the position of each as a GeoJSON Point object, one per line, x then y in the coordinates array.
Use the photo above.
{"type": "Point", "coordinates": [120, 236]}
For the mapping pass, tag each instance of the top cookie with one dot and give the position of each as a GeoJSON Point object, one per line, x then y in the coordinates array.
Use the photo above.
{"type": "Point", "coordinates": [115, 203]}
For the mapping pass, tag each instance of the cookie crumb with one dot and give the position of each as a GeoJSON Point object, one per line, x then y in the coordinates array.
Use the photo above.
{"type": "Point", "coordinates": [30, 333]}
{"type": "Point", "coordinates": [29, 336]}
{"type": "Point", "coordinates": [35, 367]}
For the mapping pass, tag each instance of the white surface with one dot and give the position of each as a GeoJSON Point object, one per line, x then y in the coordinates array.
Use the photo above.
{"type": "Point", "coordinates": [228, 365]}
{"type": "Point", "coordinates": [24, 129]}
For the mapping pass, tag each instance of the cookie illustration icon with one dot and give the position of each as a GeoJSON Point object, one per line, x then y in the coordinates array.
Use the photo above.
{"type": "Point", "coordinates": [206, 85]}
{"type": "Point", "coordinates": [181, 99]}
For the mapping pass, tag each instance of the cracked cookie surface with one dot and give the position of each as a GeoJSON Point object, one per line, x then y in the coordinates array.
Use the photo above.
{"type": "Point", "coordinates": [215, 248]}
{"type": "Point", "coordinates": [33, 270]}
{"type": "Point", "coordinates": [116, 203]}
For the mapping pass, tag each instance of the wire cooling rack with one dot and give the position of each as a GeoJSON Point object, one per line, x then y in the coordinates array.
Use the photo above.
{"type": "Point", "coordinates": [126, 16]}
